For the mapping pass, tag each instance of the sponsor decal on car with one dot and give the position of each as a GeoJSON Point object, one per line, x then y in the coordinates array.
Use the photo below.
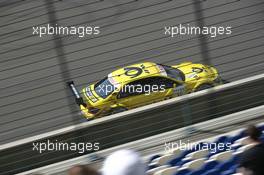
{"type": "Point", "coordinates": [179, 90]}
{"type": "Point", "coordinates": [90, 95]}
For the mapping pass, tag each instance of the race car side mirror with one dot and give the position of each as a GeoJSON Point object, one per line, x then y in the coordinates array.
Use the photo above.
{"type": "Point", "coordinates": [114, 95]}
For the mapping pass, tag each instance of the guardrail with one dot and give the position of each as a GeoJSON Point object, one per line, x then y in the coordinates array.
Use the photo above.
{"type": "Point", "coordinates": [136, 124]}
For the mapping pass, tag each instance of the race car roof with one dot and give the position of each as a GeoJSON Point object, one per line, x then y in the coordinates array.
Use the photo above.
{"type": "Point", "coordinates": [135, 71]}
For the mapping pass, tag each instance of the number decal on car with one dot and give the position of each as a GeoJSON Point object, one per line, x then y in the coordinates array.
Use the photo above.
{"type": "Point", "coordinates": [133, 71]}
{"type": "Point", "coordinates": [197, 70]}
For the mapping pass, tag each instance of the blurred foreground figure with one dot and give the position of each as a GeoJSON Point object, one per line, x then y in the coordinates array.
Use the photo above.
{"type": "Point", "coordinates": [124, 162]}
{"type": "Point", "coordinates": [82, 170]}
{"type": "Point", "coordinates": [252, 160]}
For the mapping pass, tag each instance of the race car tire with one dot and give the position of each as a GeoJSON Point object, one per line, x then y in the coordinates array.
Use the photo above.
{"type": "Point", "coordinates": [225, 81]}
{"type": "Point", "coordinates": [118, 109]}
{"type": "Point", "coordinates": [203, 87]}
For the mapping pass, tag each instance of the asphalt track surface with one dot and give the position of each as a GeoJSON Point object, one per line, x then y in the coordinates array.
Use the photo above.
{"type": "Point", "coordinates": [33, 95]}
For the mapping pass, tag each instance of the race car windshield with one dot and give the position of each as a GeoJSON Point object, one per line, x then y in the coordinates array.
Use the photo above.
{"type": "Point", "coordinates": [174, 73]}
{"type": "Point", "coordinates": [104, 88]}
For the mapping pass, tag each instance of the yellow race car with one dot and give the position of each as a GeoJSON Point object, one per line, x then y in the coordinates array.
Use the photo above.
{"type": "Point", "coordinates": [142, 84]}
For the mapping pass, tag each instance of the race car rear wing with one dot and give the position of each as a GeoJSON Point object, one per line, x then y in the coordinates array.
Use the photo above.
{"type": "Point", "coordinates": [78, 98]}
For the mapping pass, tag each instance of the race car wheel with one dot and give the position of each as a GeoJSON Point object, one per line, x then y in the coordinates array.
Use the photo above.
{"type": "Point", "coordinates": [118, 109]}
{"type": "Point", "coordinates": [203, 87]}
{"type": "Point", "coordinates": [225, 81]}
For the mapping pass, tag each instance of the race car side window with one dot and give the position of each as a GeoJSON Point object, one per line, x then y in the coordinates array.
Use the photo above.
{"type": "Point", "coordinates": [145, 86]}
{"type": "Point", "coordinates": [162, 81]}
{"type": "Point", "coordinates": [133, 88]}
